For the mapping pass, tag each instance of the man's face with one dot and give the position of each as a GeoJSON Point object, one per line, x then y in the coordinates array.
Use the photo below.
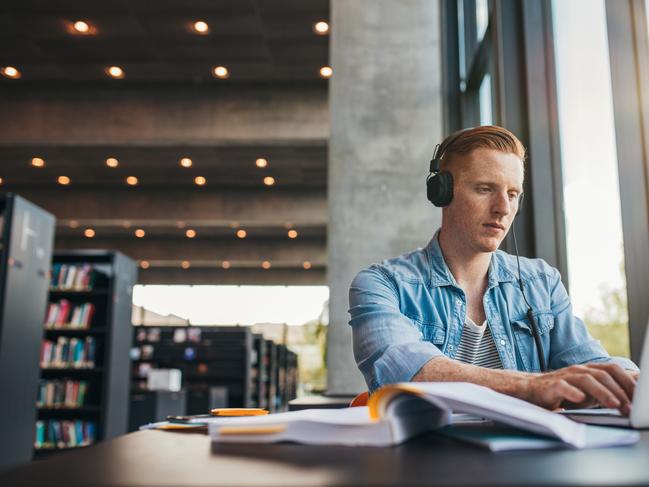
{"type": "Point", "coordinates": [486, 188]}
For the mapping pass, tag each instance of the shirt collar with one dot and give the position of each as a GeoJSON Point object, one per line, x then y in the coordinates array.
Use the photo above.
{"type": "Point", "coordinates": [440, 274]}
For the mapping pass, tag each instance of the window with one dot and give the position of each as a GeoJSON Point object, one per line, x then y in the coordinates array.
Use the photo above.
{"type": "Point", "coordinates": [590, 174]}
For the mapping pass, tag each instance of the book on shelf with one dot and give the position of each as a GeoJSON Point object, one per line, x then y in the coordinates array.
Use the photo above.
{"type": "Point", "coordinates": [62, 394]}
{"type": "Point", "coordinates": [55, 434]}
{"type": "Point", "coordinates": [398, 412]}
{"type": "Point", "coordinates": [72, 277]}
{"type": "Point", "coordinates": [65, 315]}
{"type": "Point", "coordinates": [73, 353]}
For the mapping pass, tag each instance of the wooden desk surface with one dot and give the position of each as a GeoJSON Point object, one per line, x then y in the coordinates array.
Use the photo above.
{"type": "Point", "coordinates": [156, 458]}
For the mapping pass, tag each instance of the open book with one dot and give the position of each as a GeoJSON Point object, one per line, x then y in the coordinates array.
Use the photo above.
{"type": "Point", "coordinates": [398, 412]}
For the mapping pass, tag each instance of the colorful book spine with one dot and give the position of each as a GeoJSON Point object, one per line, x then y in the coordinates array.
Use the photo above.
{"type": "Point", "coordinates": [64, 393]}
{"type": "Point", "coordinates": [75, 353]}
{"type": "Point", "coordinates": [68, 277]}
{"type": "Point", "coordinates": [64, 434]}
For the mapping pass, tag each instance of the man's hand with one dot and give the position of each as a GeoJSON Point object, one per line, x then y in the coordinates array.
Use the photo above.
{"type": "Point", "coordinates": [606, 384]}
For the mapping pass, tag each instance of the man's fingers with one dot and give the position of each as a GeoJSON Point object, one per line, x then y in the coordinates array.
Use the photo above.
{"type": "Point", "coordinates": [609, 382]}
{"type": "Point", "coordinates": [591, 386]}
{"type": "Point", "coordinates": [569, 392]}
{"type": "Point", "coordinates": [621, 376]}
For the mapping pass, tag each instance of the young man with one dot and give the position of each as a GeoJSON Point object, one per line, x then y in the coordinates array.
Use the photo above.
{"type": "Point", "coordinates": [457, 311]}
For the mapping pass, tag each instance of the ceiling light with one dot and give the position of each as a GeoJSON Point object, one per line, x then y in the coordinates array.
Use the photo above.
{"type": "Point", "coordinates": [73, 224]}
{"type": "Point", "coordinates": [64, 180]}
{"type": "Point", "coordinates": [292, 234]}
{"type": "Point", "coordinates": [81, 27]}
{"type": "Point", "coordinates": [38, 162]}
{"type": "Point", "coordinates": [234, 225]}
{"type": "Point", "coordinates": [185, 264]}
{"type": "Point", "coordinates": [261, 162]}
{"type": "Point", "coordinates": [200, 180]}
{"type": "Point", "coordinates": [190, 233]}
{"type": "Point", "coordinates": [265, 264]}
{"type": "Point", "coordinates": [326, 72]}
{"type": "Point", "coordinates": [221, 72]}
{"type": "Point", "coordinates": [269, 180]}
{"type": "Point", "coordinates": [186, 162]}
{"type": "Point", "coordinates": [131, 181]}
{"type": "Point", "coordinates": [144, 264]}
{"type": "Point", "coordinates": [112, 162]}
{"type": "Point", "coordinates": [89, 232]}
{"type": "Point", "coordinates": [201, 27]}
{"type": "Point", "coordinates": [321, 28]}
{"type": "Point", "coordinates": [11, 72]}
{"type": "Point", "coordinates": [241, 233]}
{"type": "Point", "coordinates": [139, 233]}
{"type": "Point", "coordinates": [126, 224]}
{"type": "Point", "coordinates": [225, 264]}
{"type": "Point", "coordinates": [1, 181]}
{"type": "Point", "coordinates": [306, 264]}
{"type": "Point", "coordinates": [180, 224]}
{"type": "Point", "coordinates": [115, 72]}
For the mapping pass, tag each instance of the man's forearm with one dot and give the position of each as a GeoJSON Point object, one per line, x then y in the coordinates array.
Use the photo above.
{"type": "Point", "coordinates": [443, 369]}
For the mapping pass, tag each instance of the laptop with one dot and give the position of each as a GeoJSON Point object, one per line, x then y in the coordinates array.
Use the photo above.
{"type": "Point", "coordinates": [639, 417]}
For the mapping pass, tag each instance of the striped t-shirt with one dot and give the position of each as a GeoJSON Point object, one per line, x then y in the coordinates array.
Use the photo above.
{"type": "Point", "coordinates": [477, 346]}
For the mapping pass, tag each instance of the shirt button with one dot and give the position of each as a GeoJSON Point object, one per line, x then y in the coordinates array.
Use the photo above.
{"type": "Point", "coordinates": [450, 347]}
{"type": "Point", "coordinates": [458, 302]}
{"type": "Point", "coordinates": [502, 342]}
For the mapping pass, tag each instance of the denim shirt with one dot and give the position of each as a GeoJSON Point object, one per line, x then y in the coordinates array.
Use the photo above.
{"type": "Point", "coordinates": [409, 309]}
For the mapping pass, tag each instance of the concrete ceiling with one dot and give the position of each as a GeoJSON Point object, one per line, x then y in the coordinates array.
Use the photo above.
{"type": "Point", "coordinates": [274, 105]}
{"type": "Point", "coordinates": [257, 40]}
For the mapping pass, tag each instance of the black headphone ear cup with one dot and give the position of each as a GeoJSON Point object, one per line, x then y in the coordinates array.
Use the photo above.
{"type": "Point", "coordinates": [439, 188]}
{"type": "Point", "coordinates": [520, 203]}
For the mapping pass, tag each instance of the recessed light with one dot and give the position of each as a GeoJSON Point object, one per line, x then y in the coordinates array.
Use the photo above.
{"type": "Point", "coordinates": [201, 27]}
{"type": "Point", "coordinates": [115, 72]}
{"type": "Point", "coordinates": [241, 233]}
{"type": "Point", "coordinates": [221, 72]}
{"type": "Point", "coordinates": [144, 264]}
{"type": "Point", "coordinates": [306, 264]}
{"type": "Point", "coordinates": [38, 162]}
{"type": "Point", "coordinates": [225, 264]}
{"type": "Point", "coordinates": [261, 162]}
{"type": "Point", "coordinates": [190, 233]}
{"type": "Point", "coordinates": [1, 181]}
{"type": "Point", "coordinates": [321, 28]}
{"type": "Point", "coordinates": [132, 181]}
{"type": "Point", "coordinates": [185, 264]}
{"type": "Point", "coordinates": [126, 224]}
{"type": "Point", "coordinates": [186, 162]}
{"type": "Point", "coordinates": [265, 264]}
{"type": "Point", "coordinates": [180, 224]}
{"type": "Point", "coordinates": [139, 233]}
{"type": "Point", "coordinates": [292, 234]}
{"type": "Point", "coordinates": [11, 72]}
{"type": "Point", "coordinates": [81, 27]}
{"type": "Point", "coordinates": [200, 180]}
{"type": "Point", "coordinates": [269, 180]}
{"type": "Point", "coordinates": [63, 180]}
{"type": "Point", "coordinates": [326, 72]}
{"type": "Point", "coordinates": [73, 224]}
{"type": "Point", "coordinates": [89, 232]}
{"type": "Point", "coordinates": [112, 162]}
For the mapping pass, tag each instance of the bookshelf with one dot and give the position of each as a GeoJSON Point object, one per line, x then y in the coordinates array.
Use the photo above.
{"type": "Point", "coordinates": [209, 357]}
{"type": "Point", "coordinates": [26, 236]}
{"type": "Point", "coordinates": [83, 391]}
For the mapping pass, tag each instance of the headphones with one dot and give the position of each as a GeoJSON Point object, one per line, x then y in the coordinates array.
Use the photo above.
{"type": "Point", "coordinates": [439, 184]}
{"type": "Point", "coordinates": [439, 190]}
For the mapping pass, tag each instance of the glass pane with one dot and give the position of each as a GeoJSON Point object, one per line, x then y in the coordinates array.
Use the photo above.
{"type": "Point", "coordinates": [481, 18]}
{"type": "Point", "coordinates": [590, 177]}
{"type": "Point", "coordinates": [486, 116]}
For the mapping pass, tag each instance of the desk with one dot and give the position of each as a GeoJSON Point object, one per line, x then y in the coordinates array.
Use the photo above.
{"type": "Point", "coordinates": [157, 458]}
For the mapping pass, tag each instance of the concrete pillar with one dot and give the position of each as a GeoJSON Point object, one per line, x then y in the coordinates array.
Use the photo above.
{"type": "Point", "coordinates": [385, 119]}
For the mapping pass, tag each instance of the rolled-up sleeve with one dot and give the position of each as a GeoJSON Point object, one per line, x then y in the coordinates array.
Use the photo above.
{"type": "Point", "coordinates": [388, 347]}
{"type": "Point", "coordinates": [571, 343]}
